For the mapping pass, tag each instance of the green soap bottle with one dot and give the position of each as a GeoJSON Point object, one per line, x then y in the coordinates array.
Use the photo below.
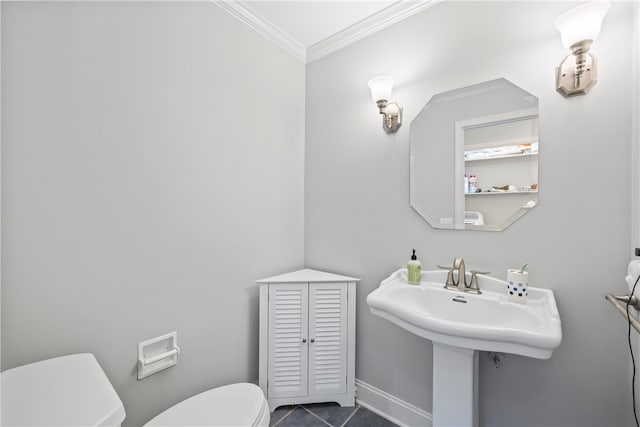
{"type": "Point", "coordinates": [415, 270]}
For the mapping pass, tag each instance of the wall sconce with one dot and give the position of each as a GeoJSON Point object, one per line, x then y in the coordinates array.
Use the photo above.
{"type": "Point", "coordinates": [391, 111]}
{"type": "Point", "coordinates": [579, 27]}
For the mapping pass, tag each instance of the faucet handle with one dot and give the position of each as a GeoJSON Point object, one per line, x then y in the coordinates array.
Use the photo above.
{"type": "Point", "coordinates": [450, 283]}
{"type": "Point", "coordinates": [473, 286]}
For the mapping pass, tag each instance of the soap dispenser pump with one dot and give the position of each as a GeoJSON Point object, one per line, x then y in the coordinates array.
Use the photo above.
{"type": "Point", "coordinates": [415, 270]}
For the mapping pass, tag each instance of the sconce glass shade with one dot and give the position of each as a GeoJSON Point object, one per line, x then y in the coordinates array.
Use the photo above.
{"type": "Point", "coordinates": [579, 27]}
{"type": "Point", "coordinates": [381, 87]}
{"type": "Point", "coordinates": [582, 22]}
{"type": "Point", "coordinates": [391, 111]}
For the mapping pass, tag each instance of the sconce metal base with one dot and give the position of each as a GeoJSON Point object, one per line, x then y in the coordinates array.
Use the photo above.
{"type": "Point", "coordinates": [576, 74]}
{"type": "Point", "coordinates": [391, 116]}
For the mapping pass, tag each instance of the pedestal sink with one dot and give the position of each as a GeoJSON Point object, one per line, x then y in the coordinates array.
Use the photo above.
{"type": "Point", "coordinates": [459, 324]}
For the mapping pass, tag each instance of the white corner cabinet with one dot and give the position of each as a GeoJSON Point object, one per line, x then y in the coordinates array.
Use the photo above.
{"type": "Point", "coordinates": [307, 338]}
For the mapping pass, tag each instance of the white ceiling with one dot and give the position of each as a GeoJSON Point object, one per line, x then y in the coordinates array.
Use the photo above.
{"type": "Point", "coordinates": [309, 22]}
{"type": "Point", "coordinates": [311, 29]}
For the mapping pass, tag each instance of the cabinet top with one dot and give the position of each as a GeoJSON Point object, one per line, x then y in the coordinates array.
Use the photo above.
{"type": "Point", "coordinates": [307, 275]}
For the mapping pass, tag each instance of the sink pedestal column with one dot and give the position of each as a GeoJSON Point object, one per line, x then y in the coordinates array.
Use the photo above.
{"type": "Point", "coordinates": [455, 386]}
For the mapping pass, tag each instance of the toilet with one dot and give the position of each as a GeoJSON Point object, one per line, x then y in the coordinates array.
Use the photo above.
{"type": "Point", "coordinates": [73, 390]}
{"type": "Point", "coordinates": [238, 405]}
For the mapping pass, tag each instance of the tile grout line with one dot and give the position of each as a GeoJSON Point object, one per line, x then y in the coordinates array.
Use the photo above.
{"type": "Point", "coordinates": [284, 416]}
{"type": "Point", "coordinates": [310, 412]}
{"type": "Point", "coordinates": [350, 416]}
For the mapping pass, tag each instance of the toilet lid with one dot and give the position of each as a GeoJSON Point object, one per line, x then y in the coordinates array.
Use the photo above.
{"type": "Point", "coordinates": [240, 404]}
{"type": "Point", "coordinates": [64, 391]}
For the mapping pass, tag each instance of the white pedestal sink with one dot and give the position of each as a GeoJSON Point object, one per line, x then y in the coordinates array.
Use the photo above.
{"type": "Point", "coordinates": [459, 324]}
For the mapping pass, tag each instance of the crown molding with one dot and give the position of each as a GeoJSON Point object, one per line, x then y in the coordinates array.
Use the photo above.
{"type": "Point", "coordinates": [396, 12]}
{"type": "Point", "coordinates": [246, 15]}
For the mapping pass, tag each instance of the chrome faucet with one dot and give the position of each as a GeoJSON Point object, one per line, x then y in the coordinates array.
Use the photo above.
{"type": "Point", "coordinates": [461, 283]}
{"type": "Point", "coordinates": [458, 264]}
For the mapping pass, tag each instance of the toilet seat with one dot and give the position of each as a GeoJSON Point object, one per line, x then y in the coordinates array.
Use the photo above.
{"type": "Point", "coordinates": [241, 404]}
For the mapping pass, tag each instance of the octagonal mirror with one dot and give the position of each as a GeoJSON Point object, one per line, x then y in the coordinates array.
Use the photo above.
{"type": "Point", "coordinates": [474, 157]}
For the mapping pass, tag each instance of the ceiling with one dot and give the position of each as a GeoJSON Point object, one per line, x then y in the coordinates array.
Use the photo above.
{"type": "Point", "coordinates": [309, 22]}
{"type": "Point", "coordinates": [311, 29]}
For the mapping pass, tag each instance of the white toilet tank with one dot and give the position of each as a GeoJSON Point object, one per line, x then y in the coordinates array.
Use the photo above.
{"type": "Point", "coordinates": [65, 391]}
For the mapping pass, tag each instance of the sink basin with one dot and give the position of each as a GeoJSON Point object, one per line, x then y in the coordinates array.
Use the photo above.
{"type": "Point", "coordinates": [480, 322]}
{"type": "Point", "coordinates": [461, 323]}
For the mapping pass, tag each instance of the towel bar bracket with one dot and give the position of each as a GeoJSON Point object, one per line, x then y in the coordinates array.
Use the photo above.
{"type": "Point", "coordinates": [632, 301]}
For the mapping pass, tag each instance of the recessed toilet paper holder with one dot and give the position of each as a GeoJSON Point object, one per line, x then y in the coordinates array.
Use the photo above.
{"type": "Point", "coordinates": [157, 354]}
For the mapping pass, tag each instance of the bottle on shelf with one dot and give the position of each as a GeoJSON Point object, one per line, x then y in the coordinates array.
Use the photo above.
{"type": "Point", "coordinates": [472, 183]}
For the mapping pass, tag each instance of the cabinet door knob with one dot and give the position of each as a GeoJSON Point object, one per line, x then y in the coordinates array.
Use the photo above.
{"type": "Point", "coordinates": [313, 340]}
{"type": "Point", "coordinates": [304, 340]}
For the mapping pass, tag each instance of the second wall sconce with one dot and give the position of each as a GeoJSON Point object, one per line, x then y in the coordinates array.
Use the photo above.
{"type": "Point", "coordinates": [579, 27]}
{"type": "Point", "coordinates": [381, 87]}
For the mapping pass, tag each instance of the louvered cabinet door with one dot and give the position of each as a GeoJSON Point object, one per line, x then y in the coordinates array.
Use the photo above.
{"type": "Point", "coordinates": [288, 340]}
{"type": "Point", "coordinates": [327, 338]}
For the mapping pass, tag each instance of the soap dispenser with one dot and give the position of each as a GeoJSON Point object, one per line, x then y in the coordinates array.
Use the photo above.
{"type": "Point", "coordinates": [415, 270]}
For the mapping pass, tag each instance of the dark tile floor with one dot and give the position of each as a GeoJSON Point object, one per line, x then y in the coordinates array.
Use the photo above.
{"type": "Point", "coordinates": [326, 414]}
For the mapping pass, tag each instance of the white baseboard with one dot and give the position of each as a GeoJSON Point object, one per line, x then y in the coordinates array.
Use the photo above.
{"type": "Point", "coordinates": [390, 407]}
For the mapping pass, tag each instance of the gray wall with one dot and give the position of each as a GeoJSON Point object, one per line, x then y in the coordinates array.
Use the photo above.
{"type": "Point", "coordinates": [358, 220]}
{"type": "Point", "coordinates": [135, 203]}
{"type": "Point", "coordinates": [152, 170]}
